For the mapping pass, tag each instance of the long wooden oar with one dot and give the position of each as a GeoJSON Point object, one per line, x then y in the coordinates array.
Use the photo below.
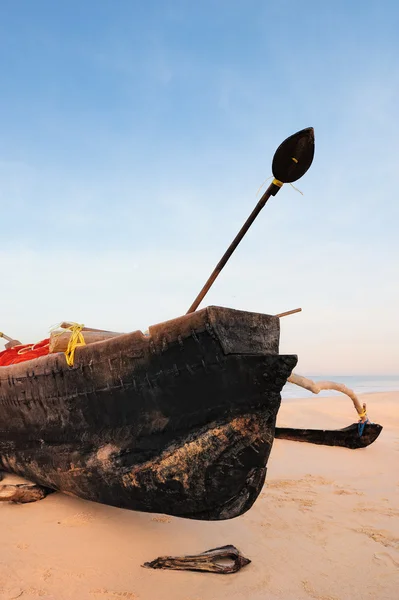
{"type": "Point", "coordinates": [291, 160]}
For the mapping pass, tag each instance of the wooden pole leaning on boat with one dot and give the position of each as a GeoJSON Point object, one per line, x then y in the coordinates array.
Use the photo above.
{"type": "Point", "coordinates": [290, 162]}
{"type": "Point", "coordinates": [10, 341]}
{"type": "Point", "coordinates": [316, 387]}
{"type": "Point", "coordinates": [289, 312]}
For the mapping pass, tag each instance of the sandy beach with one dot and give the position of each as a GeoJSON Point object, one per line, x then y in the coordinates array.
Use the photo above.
{"type": "Point", "coordinates": [325, 527]}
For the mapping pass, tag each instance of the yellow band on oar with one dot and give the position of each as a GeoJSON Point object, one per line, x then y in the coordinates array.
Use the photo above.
{"type": "Point", "coordinates": [278, 183]}
{"type": "Point", "coordinates": [294, 159]}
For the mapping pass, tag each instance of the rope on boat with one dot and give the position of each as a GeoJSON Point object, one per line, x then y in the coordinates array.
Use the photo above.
{"type": "Point", "coordinates": [75, 341]}
{"type": "Point", "coordinates": [314, 387]}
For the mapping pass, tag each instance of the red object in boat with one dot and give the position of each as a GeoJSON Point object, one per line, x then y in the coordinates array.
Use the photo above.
{"type": "Point", "coordinates": [18, 354]}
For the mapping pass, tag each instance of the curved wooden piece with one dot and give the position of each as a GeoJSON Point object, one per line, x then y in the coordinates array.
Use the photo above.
{"type": "Point", "coordinates": [23, 492]}
{"type": "Point", "coordinates": [348, 437]}
{"type": "Point", "coordinates": [209, 561]}
{"type": "Point", "coordinates": [316, 387]}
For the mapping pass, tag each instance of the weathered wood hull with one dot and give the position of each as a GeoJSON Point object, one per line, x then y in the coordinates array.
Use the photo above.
{"type": "Point", "coordinates": [178, 422]}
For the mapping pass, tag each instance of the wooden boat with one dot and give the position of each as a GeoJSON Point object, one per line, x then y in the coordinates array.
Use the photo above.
{"type": "Point", "coordinates": [179, 422]}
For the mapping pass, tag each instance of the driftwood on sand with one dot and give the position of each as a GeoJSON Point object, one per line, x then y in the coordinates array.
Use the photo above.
{"type": "Point", "coordinates": [23, 492]}
{"type": "Point", "coordinates": [223, 560]}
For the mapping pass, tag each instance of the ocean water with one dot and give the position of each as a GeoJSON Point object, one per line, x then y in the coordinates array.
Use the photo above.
{"type": "Point", "coordinates": [360, 384]}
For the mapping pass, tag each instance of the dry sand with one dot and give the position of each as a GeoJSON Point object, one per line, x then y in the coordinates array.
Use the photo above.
{"type": "Point", "coordinates": [325, 527]}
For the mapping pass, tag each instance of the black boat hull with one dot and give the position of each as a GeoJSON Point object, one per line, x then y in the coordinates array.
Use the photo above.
{"type": "Point", "coordinates": [180, 422]}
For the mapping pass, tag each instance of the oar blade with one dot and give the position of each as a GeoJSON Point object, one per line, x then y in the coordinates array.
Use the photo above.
{"type": "Point", "coordinates": [294, 156]}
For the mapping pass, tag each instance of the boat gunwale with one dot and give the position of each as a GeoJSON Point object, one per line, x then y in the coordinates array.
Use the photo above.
{"type": "Point", "coordinates": [205, 318]}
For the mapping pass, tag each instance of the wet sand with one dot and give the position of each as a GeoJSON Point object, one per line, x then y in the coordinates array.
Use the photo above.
{"type": "Point", "coordinates": [325, 527]}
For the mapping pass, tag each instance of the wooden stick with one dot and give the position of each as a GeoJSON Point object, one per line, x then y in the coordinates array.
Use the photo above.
{"type": "Point", "coordinates": [10, 342]}
{"type": "Point", "coordinates": [271, 191]}
{"type": "Point", "coordinates": [291, 160]}
{"type": "Point", "coordinates": [289, 312]}
{"type": "Point", "coordinates": [3, 335]}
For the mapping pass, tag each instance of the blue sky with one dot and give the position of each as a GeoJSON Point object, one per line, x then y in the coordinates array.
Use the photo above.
{"type": "Point", "coordinates": [135, 135]}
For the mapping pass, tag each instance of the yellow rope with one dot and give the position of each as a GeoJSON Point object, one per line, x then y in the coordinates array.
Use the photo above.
{"type": "Point", "coordinates": [75, 341]}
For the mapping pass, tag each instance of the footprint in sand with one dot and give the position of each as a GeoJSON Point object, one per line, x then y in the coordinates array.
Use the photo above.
{"type": "Point", "coordinates": [386, 559]}
{"type": "Point", "coordinates": [12, 594]}
{"type": "Point", "coordinates": [304, 504]}
{"type": "Point", "coordinates": [31, 591]}
{"type": "Point", "coordinates": [346, 492]}
{"type": "Point", "coordinates": [46, 574]}
{"type": "Point", "coordinates": [382, 512]}
{"type": "Point", "coordinates": [317, 479]}
{"type": "Point", "coordinates": [280, 484]}
{"type": "Point", "coordinates": [161, 519]}
{"type": "Point", "coordinates": [380, 536]}
{"type": "Point", "coordinates": [313, 594]}
{"type": "Point", "coordinates": [293, 491]}
{"type": "Point", "coordinates": [111, 593]}
{"type": "Point", "coordinates": [77, 519]}
{"type": "Point", "coordinates": [308, 481]}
